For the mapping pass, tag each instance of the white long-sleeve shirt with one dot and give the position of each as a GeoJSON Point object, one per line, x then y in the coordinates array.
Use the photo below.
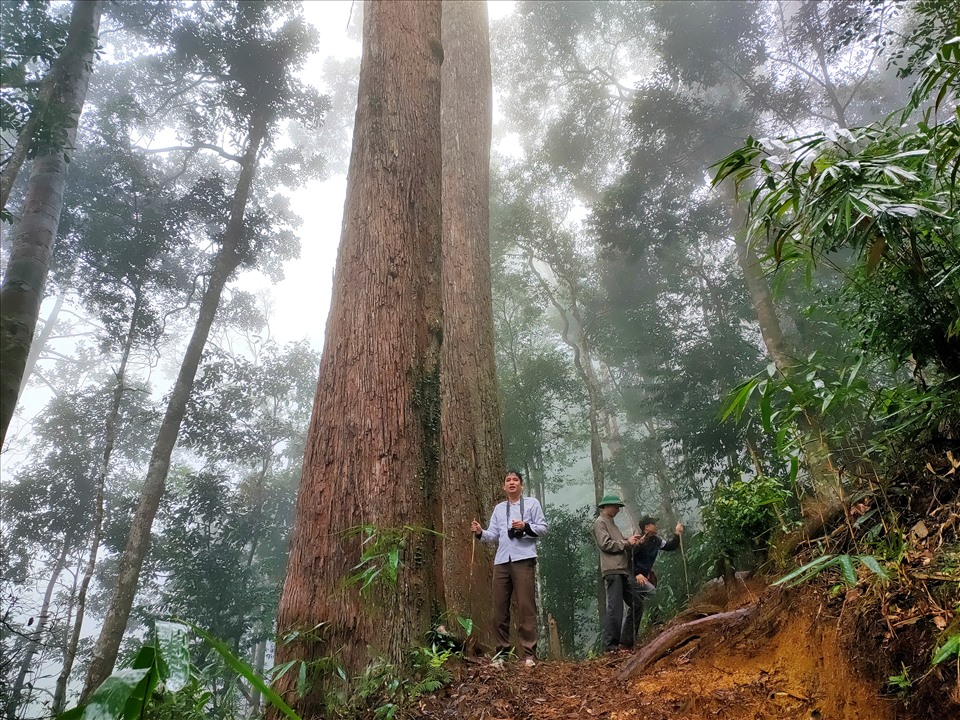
{"type": "Point", "coordinates": [508, 548]}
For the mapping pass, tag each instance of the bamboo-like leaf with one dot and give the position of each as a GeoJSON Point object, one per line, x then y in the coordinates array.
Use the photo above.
{"type": "Point", "coordinates": [871, 562]}
{"type": "Point", "coordinates": [817, 565]}
{"type": "Point", "coordinates": [302, 680]}
{"type": "Point", "coordinates": [846, 567]}
{"type": "Point", "coordinates": [246, 672]}
{"type": "Point", "coordinates": [951, 648]}
{"type": "Point", "coordinates": [854, 370]}
{"type": "Point", "coordinates": [737, 403]}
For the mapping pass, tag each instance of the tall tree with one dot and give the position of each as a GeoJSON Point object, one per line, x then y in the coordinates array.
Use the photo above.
{"type": "Point", "coordinates": [249, 53]}
{"type": "Point", "coordinates": [32, 243]}
{"type": "Point", "coordinates": [471, 456]}
{"type": "Point", "coordinates": [372, 449]}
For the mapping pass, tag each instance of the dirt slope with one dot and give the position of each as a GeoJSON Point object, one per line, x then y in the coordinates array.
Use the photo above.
{"type": "Point", "coordinates": [788, 660]}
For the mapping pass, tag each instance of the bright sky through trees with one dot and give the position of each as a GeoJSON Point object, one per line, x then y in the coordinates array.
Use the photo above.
{"type": "Point", "coordinates": [301, 301]}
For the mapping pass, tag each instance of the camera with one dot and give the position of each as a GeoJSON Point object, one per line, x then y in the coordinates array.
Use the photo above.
{"type": "Point", "coordinates": [513, 533]}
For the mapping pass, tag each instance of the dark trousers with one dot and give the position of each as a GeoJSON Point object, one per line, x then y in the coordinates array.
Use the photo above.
{"type": "Point", "coordinates": [620, 631]}
{"type": "Point", "coordinates": [515, 580]}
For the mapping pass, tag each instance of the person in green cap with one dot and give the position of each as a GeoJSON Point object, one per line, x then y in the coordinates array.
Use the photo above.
{"type": "Point", "coordinates": [617, 579]}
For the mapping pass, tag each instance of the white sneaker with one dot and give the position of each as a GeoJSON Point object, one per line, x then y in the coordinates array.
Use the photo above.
{"type": "Point", "coordinates": [530, 662]}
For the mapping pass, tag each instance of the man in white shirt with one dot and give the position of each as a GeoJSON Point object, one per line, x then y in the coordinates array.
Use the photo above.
{"type": "Point", "coordinates": [515, 525]}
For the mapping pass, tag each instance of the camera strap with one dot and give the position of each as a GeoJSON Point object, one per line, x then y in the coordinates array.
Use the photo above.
{"type": "Point", "coordinates": [506, 510]}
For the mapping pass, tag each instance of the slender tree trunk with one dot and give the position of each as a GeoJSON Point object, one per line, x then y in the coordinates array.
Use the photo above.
{"type": "Point", "coordinates": [32, 243]}
{"type": "Point", "coordinates": [372, 452]}
{"type": "Point", "coordinates": [40, 342]}
{"type": "Point", "coordinates": [583, 362]}
{"type": "Point", "coordinates": [610, 423]}
{"type": "Point", "coordinates": [471, 465]}
{"type": "Point", "coordinates": [227, 260]}
{"type": "Point", "coordinates": [259, 658]}
{"type": "Point", "coordinates": [34, 643]}
{"type": "Point", "coordinates": [109, 440]}
{"type": "Point", "coordinates": [815, 449]}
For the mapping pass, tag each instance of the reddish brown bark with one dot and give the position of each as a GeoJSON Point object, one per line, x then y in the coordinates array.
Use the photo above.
{"type": "Point", "coordinates": [472, 446]}
{"type": "Point", "coordinates": [372, 449]}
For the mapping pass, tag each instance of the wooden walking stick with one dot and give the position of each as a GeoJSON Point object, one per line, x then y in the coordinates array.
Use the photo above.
{"type": "Point", "coordinates": [683, 556]}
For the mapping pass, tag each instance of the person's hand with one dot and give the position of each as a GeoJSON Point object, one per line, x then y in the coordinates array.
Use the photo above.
{"type": "Point", "coordinates": [518, 524]}
{"type": "Point", "coordinates": [679, 528]}
{"type": "Point", "coordinates": [633, 539]}
{"type": "Point", "coordinates": [641, 578]}
{"type": "Point", "coordinates": [476, 527]}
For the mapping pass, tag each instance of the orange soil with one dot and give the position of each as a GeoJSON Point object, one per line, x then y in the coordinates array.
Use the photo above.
{"type": "Point", "coordinates": [790, 665]}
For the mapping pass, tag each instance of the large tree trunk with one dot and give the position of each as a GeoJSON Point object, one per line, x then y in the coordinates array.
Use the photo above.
{"type": "Point", "coordinates": [227, 260]}
{"type": "Point", "coordinates": [471, 454]}
{"type": "Point", "coordinates": [372, 453]}
{"type": "Point", "coordinates": [33, 644]}
{"type": "Point", "coordinates": [32, 244]}
{"type": "Point", "coordinates": [109, 440]}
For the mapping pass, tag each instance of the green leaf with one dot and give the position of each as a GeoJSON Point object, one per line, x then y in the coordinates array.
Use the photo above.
{"type": "Point", "coordinates": [394, 562]}
{"type": "Point", "coordinates": [109, 700]}
{"type": "Point", "coordinates": [302, 680]}
{"type": "Point", "coordinates": [846, 567]}
{"type": "Point", "coordinates": [147, 658]}
{"type": "Point", "coordinates": [173, 642]}
{"type": "Point", "coordinates": [243, 669]}
{"type": "Point", "coordinates": [854, 370]}
{"type": "Point", "coordinates": [951, 648]}
{"type": "Point", "coordinates": [467, 624]}
{"type": "Point", "coordinates": [819, 564]}
{"type": "Point", "coordinates": [873, 566]}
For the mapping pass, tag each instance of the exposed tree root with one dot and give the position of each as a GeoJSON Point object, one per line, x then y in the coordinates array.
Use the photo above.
{"type": "Point", "coordinates": [669, 640]}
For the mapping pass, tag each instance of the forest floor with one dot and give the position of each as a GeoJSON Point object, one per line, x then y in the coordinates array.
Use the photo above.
{"type": "Point", "coordinates": [792, 659]}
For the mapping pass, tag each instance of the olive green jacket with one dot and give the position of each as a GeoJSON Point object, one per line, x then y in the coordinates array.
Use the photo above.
{"type": "Point", "coordinates": [612, 545]}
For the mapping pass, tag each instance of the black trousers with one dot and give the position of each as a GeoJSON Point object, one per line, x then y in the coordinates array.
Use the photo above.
{"type": "Point", "coordinates": [620, 631]}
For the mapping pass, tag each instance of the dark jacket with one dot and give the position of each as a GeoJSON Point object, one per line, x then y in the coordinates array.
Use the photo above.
{"type": "Point", "coordinates": [645, 552]}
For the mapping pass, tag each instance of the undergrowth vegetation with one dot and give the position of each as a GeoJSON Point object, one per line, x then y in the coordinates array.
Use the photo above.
{"type": "Point", "coordinates": [883, 538]}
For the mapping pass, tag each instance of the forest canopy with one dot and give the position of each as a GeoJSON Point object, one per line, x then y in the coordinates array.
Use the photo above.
{"type": "Point", "coordinates": [702, 255]}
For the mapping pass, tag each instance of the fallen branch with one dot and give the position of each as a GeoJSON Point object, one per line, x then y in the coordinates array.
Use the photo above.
{"type": "Point", "coordinates": [668, 641]}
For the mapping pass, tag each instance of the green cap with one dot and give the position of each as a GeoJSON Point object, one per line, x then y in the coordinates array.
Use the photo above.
{"type": "Point", "coordinates": [610, 500]}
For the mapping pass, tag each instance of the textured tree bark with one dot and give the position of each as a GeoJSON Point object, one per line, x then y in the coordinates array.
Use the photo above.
{"type": "Point", "coordinates": [32, 243]}
{"type": "Point", "coordinates": [471, 454]}
{"type": "Point", "coordinates": [372, 451]}
{"type": "Point", "coordinates": [228, 258]}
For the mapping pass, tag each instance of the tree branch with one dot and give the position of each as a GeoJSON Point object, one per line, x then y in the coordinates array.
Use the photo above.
{"type": "Point", "coordinates": [193, 148]}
